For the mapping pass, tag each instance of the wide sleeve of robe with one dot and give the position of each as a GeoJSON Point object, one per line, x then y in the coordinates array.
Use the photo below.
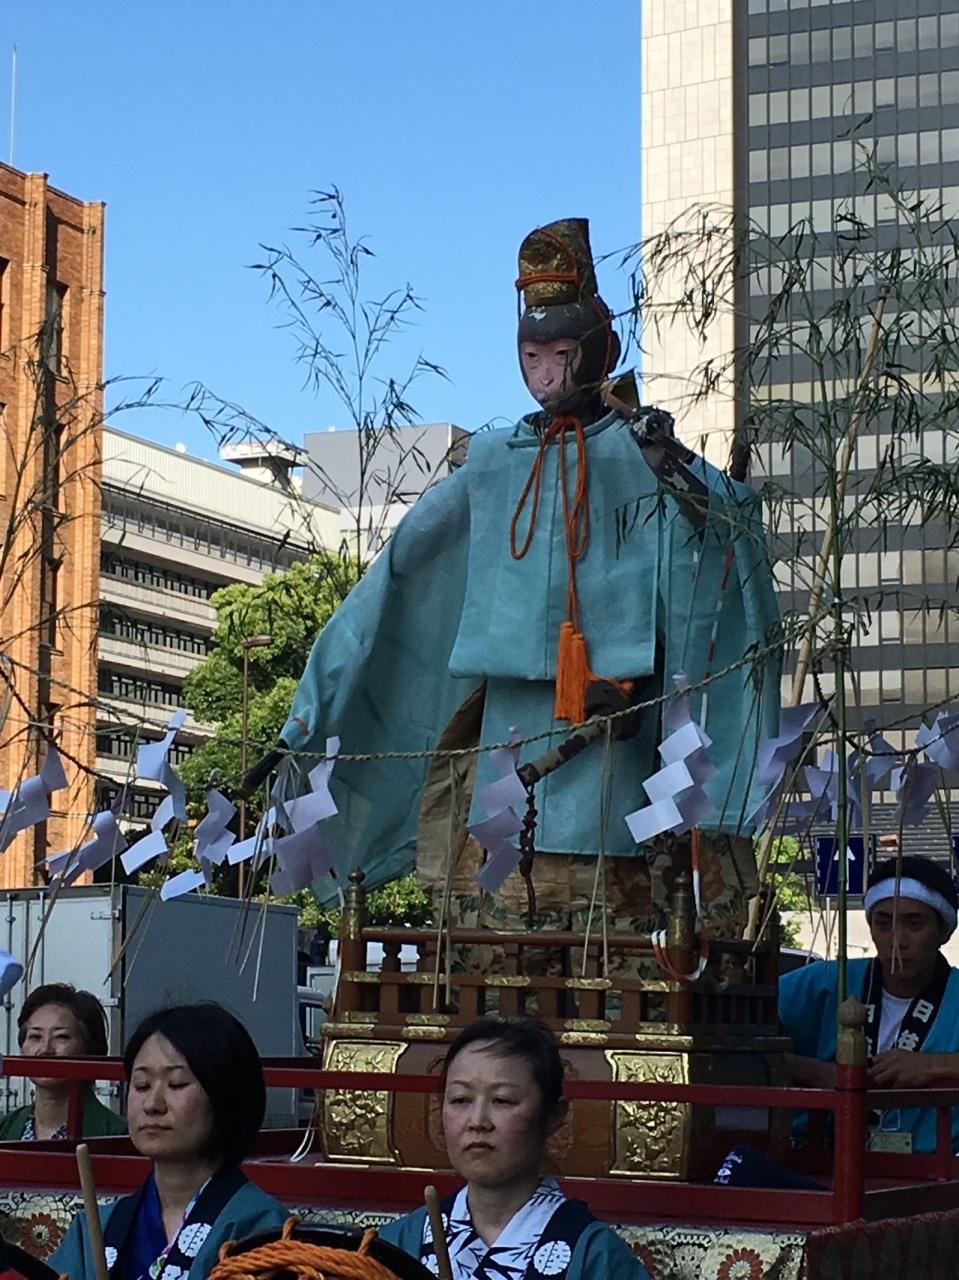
{"type": "Point", "coordinates": [378, 678]}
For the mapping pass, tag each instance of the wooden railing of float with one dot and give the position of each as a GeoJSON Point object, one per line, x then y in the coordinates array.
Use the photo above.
{"type": "Point", "coordinates": [859, 1183]}
{"type": "Point", "coordinates": [584, 991]}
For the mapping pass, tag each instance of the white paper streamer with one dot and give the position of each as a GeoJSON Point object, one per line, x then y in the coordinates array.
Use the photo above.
{"type": "Point", "coordinates": [303, 857]}
{"type": "Point", "coordinates": [152, 845]}
{"type": "Point", "coordinates": [677, 801]}
{"type": "Point", "coordinates": [213, 840]}
{"type": "Point", "coordinates": [185, 882]}
{"type": "Point", "coordinates": [152, 764]}
{"type": "Point", "coordinates": [940, 742]}
{"type": "Point", "coordinates": [498, 798]}
{"type": "Point", "coordinates": [318, 804]}
{"type": "Point", "coordinates": [30, 802]}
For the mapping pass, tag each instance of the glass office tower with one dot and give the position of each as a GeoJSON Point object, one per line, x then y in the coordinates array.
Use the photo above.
{"type": "Point", "coordinates": [756, 104]}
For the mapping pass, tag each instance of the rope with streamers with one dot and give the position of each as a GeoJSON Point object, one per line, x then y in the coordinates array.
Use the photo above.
{"type": "Point", "coordinates": [305, 1260]}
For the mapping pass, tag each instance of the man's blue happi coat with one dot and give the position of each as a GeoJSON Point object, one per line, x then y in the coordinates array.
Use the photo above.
{"type": "Point", "coordinates": [446, 606]}
{"type": "Point", "coordinates": [808, 1003]}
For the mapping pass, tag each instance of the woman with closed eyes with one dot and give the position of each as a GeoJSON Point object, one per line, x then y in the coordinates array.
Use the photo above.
{"type": "Point", "coordinates": [195, 1103]}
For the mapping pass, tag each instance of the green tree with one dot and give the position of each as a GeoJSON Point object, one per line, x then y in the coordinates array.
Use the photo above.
{"type": "Point", "coordinates": [401, 902]}
{"type": "Point", "coordinates": [789, 889]}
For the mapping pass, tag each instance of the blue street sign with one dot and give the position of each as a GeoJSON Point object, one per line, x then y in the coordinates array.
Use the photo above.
{"type": "Point", "coordinates": [827, 865]}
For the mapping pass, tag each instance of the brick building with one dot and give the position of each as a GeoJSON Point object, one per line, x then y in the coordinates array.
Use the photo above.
{"type": "Point", "coordinates": [51, 327]}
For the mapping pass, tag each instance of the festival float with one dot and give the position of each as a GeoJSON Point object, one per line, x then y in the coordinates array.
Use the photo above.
{"type": "Point", "coordinates": [556, 693]}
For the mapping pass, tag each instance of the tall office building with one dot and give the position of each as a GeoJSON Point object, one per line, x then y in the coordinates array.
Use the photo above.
{"type": "Point", "coordinates": [51, 325]}
{"type": "Point", "coordinates": [753, 105]}
{"type": "Point", "coordinates": [175, 529]}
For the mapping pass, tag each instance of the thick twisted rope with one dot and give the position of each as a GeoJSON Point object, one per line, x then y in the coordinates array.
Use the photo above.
{"type": "Point", "coordinates": [303, 1259]}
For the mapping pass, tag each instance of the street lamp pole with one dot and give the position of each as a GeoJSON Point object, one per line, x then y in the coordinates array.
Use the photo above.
{"type": "Point", "coordinates": [252, 642]}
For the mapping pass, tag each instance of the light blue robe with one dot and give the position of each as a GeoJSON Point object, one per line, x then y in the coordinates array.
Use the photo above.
{"type": "Point", "coordinates": [248, 1211]}
{"type": "Point", "coordinates": [600, 1254]}
{"type": "Point", "coordinates": [808, 1003]}
{"type": "Point", "coordinates": [446, 606]}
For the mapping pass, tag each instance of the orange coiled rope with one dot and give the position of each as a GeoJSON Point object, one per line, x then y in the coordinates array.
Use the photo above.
{"type": "Point", "coordinates": [309, 1261]}
{"type": "Point", "coordinates": [573, 675]}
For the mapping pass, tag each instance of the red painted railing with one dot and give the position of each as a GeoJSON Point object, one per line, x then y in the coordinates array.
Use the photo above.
{"type": "Point", "coordinates": [862, 1184]}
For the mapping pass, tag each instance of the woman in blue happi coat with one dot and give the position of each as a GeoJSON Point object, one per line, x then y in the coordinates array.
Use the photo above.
{"type": "Point", "coordinates": [195, 1103]}
{"type": "Point", "coordinates": [502, 1099]}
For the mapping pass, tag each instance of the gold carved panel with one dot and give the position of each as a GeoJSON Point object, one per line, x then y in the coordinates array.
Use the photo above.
{"type": "Point", "coordinates": [650, 1138]}
{"type": "Point", "coordinates": [357, 1123]}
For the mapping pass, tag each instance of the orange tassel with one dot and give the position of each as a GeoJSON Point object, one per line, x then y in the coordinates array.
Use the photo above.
{"type": "Point", "coordinates": [573, 675]}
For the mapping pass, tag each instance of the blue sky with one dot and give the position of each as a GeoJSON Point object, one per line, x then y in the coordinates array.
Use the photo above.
{"type": "Point", "coordinates": [451, 126]}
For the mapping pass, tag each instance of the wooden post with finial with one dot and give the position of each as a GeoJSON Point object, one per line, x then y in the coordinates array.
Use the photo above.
{"type": "Point", "coordinates": [352, 948]}
{"type": "Point", "coordinates": [681, 947]}
{"type": "Point", "coordinates": [851, 1059]}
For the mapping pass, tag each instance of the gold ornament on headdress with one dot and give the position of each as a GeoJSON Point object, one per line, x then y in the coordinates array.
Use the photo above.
{"type": "Point", "coordinates": [556, 264]}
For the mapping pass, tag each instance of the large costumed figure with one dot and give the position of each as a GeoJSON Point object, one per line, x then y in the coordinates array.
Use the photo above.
{"type": "Point", "coordinates": [574, 565]}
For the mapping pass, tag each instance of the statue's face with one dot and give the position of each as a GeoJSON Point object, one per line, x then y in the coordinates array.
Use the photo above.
{"type": "Point", "coordinates": [548, 368]}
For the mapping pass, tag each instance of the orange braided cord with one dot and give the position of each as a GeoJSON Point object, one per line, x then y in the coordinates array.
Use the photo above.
{"type": "Point", "coordinates": [308, 1261]}
{"type": "Point", "coordinates": [573, 673]}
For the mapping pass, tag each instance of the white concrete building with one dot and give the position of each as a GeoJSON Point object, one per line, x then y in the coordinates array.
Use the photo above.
{"type": "Point", "coordinates": [176, 528]}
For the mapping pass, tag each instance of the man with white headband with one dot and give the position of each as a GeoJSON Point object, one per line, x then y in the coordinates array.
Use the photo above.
{"type": "Point", "coordinates": [911, 994]}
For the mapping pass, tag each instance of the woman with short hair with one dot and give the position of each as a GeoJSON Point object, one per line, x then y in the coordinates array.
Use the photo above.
{"type": "Point", "coordinates": [58, 1021]}
{"type": "Point", "coordinates": [502, 1100]}
{"type": "Point", "coordinates": [195, 1103]}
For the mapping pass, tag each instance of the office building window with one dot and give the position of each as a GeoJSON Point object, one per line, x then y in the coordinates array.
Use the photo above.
{"type": "Point", "coordinates": [929, 147]}
{"type": "Point", "coordinates": [906, 96]}
{"type": "Point", "coordinates": [928, 33]}
{"type": "Point", "coordinates": [4, 303]}
{"type": "Point", "coordinates": [841, 43]}
{"type": "Point", "coordinates": [53, 330]}
{"type": "Point", "coordinates": [118, 684]}
{"type": "Point", "coordinates": [862, 40]}
{"type": "Point", "coordinates": [929, 90]}
{"type": "Point", "coordinates": [908, 149]}
{"type": "Point", "coordinates": [862, 96]}
{"type": "Point", "coordinates": [820, 46]}
{"type": "Point", "coordinates": [821, 101]}
{"type": "Point", "coordinates": [885, 94]}
{"type": "Point", "coordinates": [906, 35]}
